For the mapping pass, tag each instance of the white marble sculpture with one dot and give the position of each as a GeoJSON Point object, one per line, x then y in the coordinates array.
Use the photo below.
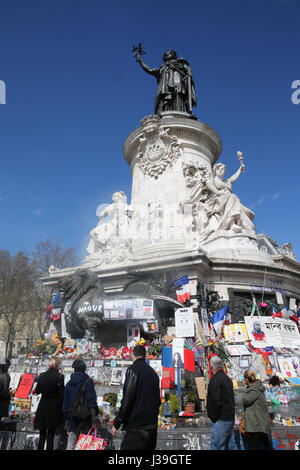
{"type": "Point", "coordinates": [113, 229]}
{"type": "Point", "coordinates": [216, 208]}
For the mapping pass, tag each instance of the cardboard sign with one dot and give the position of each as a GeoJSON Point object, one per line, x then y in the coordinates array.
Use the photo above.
{"type": "Point", "coordinates": [25, 386]}
{"type": "Point", "coordinates": [201, 389]}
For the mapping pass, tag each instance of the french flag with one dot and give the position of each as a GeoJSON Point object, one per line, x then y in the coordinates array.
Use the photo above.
{"type": "Point", "coordinates": [218, 319]}
{"type": "Point", "coordinates": [56, 298]}
{"type": "Point", "coordinates": [183, 289]}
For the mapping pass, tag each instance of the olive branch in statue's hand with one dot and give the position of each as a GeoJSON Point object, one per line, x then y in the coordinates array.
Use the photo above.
{"type": "Point", "coordinates": [138, 51]}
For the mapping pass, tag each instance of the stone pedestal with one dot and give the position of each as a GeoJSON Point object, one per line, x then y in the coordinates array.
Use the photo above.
{"type": "Point", "coordinates": [197, 143]}
{"type": "Point", "coordinates": [158, 152]}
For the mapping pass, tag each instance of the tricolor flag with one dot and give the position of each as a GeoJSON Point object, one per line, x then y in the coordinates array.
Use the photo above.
{"type": "Point", "coordinates": [274, 309]}
{"type": "Point", "coordinates": [275, 312]}
{"type": "Point", "coordinates": [287, 313]}
{"type": "Point", "coordinates": [56, 298]}
{"type": "Point", "coordinates": [183, 289]}
{"type": "Point", "coordinates": [218, 319]}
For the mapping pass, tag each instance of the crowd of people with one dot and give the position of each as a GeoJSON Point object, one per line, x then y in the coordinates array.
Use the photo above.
{"type": "Point", "coordinates": [138, 413]}
{"type": "Point", "coordinates": [139, 410]}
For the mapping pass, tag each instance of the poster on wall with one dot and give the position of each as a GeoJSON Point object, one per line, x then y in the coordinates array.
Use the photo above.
{"type": "Point", "coordinates": [204, 319]}
{"type": "Point", "coordinates": [296, 364]}
{"type": "Point", "coordinates": [83, 346]}
{"type": "Point", "coordinates": [184, 322]}
{"type": "Point", "coordinates": [168, 377]}
{"type": "Point", "coordinates": [238, 350]}
{"type": "Point", "coordinates": [25, 386]}
{"type": "Point", "coordinates": [156, 365]}
{"type": "Point", "coordinates": [287, 367]}
{"type": "Point", "coordinates": [14, 380]}
{"type": "Point", "coordinates": [235, 333]}
{"type": "Point", "coordinates": [264, 332]}
{"type": "Point", "coordinates": [35, 400]}
{"type": "Point", "coordinates": [142, 308]}
{"type": "Point", "coordinates": [116, 376]}
{"type": "Point", "coordinates": [178, 352]}
{"type": "Point", "coordinates": [126, 309]}
{"type": "Point", "coordinates": [133, 335]}
{"type": "Point", "coordinates": [150, 326]}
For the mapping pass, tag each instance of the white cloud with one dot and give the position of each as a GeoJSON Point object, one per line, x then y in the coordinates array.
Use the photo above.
{"type": "Point", "coordinates": [259, 201]}
{"type": "Point", "coordinates": [37, 212]}
{"type": "Point", "coordinates": [263, 198]}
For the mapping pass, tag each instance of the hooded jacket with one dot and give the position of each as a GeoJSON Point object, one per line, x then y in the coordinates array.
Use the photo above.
{"type": "Point", "coordinates": [77, 379]}
{"type": "Point", "coordinates": [257, 418]}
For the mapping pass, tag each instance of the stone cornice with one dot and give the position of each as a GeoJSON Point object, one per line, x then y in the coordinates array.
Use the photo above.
{"type": "Point", "coordinates": [199, 135]}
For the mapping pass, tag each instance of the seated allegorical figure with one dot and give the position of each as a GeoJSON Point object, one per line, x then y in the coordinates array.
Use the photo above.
{"type": "Point", "coordinates": [220, 209]}
{"type": "Point", "coordinates": [116, 226]}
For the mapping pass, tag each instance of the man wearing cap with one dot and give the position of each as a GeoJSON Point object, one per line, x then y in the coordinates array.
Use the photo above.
{"type": "Point", "coordinates": [138, 413]}
{"type": "Point", "coordinates": [73, 425]}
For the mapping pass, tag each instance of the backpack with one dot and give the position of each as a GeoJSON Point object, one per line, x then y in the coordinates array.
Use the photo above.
{"type": "Point", "coordinates": [79, 408]}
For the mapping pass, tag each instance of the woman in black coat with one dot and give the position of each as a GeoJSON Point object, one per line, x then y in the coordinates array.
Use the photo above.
{"type": "Point", "coordinates": [49, 412]}
{"type": "Point", "coordinates": [4, 389]}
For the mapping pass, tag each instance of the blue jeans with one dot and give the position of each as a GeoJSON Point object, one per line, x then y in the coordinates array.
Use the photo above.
{"type": "Point", "coordinates": [222, 436]}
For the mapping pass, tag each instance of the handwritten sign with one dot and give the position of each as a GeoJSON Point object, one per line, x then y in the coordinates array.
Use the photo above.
{"type": "Point", "coordinates": [25, 386]}
{"type": "Point", "coordinates": [184, 322]}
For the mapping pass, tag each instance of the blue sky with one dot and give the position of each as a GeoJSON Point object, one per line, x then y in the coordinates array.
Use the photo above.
{"type": "Point", "coordinates": [74, 93]}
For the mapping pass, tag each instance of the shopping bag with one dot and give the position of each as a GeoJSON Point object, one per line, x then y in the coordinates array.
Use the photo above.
{"type": "Point", "coordinates": [90, 442]}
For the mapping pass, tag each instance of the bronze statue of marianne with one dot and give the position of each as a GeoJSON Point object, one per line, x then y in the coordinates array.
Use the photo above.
{"type": "Point", "coordinates": [175, 90]}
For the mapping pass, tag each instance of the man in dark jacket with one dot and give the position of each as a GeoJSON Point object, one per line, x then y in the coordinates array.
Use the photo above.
{"type": "Point", "coordinates": [221, 407]}
{"type": "Point", "coordinates": [138, 413]}
{"type": "Point", "coordinates": [73, 425]}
